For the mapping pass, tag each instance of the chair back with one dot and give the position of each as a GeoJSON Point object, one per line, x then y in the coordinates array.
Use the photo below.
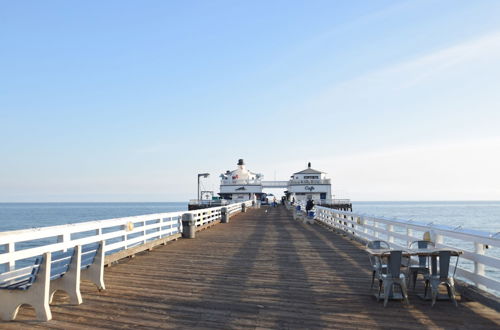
{"type": "Point", "coordinates": [394, 265]}
{"type": "Point", "coordinates": [444, 264]}
{"type": "Point", "coordinates": [422, 260]}
{"type": "Point", "coordinates": [378, 245]}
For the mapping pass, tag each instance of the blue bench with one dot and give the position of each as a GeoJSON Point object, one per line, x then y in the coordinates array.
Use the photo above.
{"type": "Point", "coordinates": [65, 274]}
{"type": "Point", "coordinates": [63, 271]}
{"type": "Point", "coordinates": [92, 264]}
{"type": "Point", "coordinates": [33, 290]}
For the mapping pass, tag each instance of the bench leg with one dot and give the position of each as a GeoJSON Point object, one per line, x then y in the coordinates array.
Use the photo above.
{"type": "Point", "coordinates": [37, 296]}
{"type": "Point", "coordinates": [70, 282]}
{"type": "Point", "coordinates": [95, 273]}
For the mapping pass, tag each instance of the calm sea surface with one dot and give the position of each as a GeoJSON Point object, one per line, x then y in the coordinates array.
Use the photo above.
{"type": "Point", "coordinates": [30, 215]}
{"type": "Point", "coordinates": [484, 215]}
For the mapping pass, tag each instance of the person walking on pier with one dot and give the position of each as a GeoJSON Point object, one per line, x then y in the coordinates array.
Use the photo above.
{"type": "Point", "coordinates": [309, 205]}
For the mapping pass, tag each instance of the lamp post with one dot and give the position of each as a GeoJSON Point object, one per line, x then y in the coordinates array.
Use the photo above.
{"type": "Point", "coordinates": [204, 175]}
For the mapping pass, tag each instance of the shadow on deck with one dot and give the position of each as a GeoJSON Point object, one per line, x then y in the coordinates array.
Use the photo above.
{"type": "Point", "coordinates": [262, 270]}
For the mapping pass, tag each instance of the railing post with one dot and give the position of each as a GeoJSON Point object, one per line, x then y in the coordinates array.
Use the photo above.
{"type": "Point", "coordinates": [127, 228]}
{"type": "Point", "coordinates": [390, 230]}
{"type": "Point", "coordinates": [438, 239]}
{"type": "Point", "coordinates": [478, 266]}
{"type": "Point", "coordinates": [63, 239]}
{"type": "Point", "coordinates": [9, 248]}
{"type": "Point", "coordinates": [224, 215]}
{"type": "Point", "coordinates": [188, 225]}
{"type": "Point", "coordinates": [409, 234]}
{"type": "Point", "coordinates": [375, 231]}
{"type": "Point", "coordinates": [179, 225]}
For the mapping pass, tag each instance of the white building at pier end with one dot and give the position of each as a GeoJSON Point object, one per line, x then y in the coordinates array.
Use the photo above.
{"type": "Point", "coordinates": [242, 184]}
{"type": "Point", "coordinates": [309, 184]}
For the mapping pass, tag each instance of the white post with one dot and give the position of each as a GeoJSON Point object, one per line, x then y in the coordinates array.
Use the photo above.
{"type": "Point", "coordinates": [63, 239]}
{"type": "Point", "coordinates": [9, 248]}
{"type": "Point", "coordinates": [409, 234]}
{"type": "Point", "coordinates": [438, 239]}
{"type": "Point", "coordinates": [124, 236]}
{"type": "Point", "coordinates": [390, 230]}
{"type": "Point", "coordinates": [143, 232]}
{"type": "Point", "coordinates": [479, 267]}
{"type": "Point", "coordinates": [375, 232]}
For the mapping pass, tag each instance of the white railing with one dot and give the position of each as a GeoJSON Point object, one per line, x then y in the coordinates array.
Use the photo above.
{"type": "Point", "coordinates": [19, 247]}
{"type": "Point", "coordinates": [214, 202]}
{"type": "Point", "coordinates": [238, 182]}
{"type": "Point", "coordinates": [399, 233]}
{"type": "Point", "coordinates": [334, 201]}
{"type": "Point", "coordinates": [274, 184]}
{"type": "Point", "coordinates": [309, 181]}
{"type": "Point", "coordinates": [236, 207]}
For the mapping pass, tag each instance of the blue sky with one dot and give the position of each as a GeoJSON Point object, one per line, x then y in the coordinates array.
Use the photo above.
{"type": "Point", "coordinates": [128, 100]}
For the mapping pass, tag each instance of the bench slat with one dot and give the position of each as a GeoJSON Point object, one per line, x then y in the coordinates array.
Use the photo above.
{"type": "Point", "coordinates": [20, 285]}
{"type": "Point", "coordinates": [87, 260]}
{"type": "Point", "coordinates": [13, 274]}
{"type": "Point", "coordinates": [58, 270]}
{"type": "Point", "coordinates": [62, 255]}
{"type": "Point", "coordinates": [89, 248]}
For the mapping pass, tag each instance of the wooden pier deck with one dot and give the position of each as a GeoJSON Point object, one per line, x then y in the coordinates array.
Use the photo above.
{"type": "Point", "coordinates": [262, 270]}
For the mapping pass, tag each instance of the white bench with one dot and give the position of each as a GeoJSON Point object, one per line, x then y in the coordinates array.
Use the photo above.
{"type": "Point", "coordinates": [36, 285]}
{"type": "Point", "coordinates": [33, 289]}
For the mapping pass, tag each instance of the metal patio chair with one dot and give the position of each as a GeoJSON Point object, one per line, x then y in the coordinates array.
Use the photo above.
{"type": "Point", "coordinates": [422, 267]}
{"type": "Point", "coordinates": [393, 277]}
{"type": "Point", "coordinates": [442, 276]}
{"type": "Point", "coordinates": [378, 266]}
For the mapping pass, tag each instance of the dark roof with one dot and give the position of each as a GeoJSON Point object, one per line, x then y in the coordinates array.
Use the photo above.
{"type": "Point", "coordinates": [309, 171]}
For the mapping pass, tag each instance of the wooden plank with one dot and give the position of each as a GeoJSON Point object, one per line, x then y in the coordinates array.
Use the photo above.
{"type": "Point", "coordinates": [108, 260]}
{"type": "Point", "coordinates": [261, 270]}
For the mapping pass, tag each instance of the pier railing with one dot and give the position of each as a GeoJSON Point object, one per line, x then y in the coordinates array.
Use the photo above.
{"type": "Point", "coordinates": [476, 263]}
{"type": "Point", "coordinates": [19, 248]}
{"type": "Point", "coordinates": [309, 181]}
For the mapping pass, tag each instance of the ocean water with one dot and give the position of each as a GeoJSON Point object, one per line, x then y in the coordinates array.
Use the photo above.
{"type": "Point", "coordinates": [482, 215]}
{"type": "Point", "coordinates": [32, 215]}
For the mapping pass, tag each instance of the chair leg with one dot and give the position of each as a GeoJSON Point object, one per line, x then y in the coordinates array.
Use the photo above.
{"type": "Point", "coordinates": [414, 278]}
{"type": "Point", "coordinates": [434, 292]}
{"type": "Point", "coordinates": [426, 287]}
{"type": "Point", "coordinates": [387, 291]}
{"type": "Point", "coordinates": [404, 291]}
{"type": "Point", "coordinates": [379, 289]}
{"type": "Point", "coordinates": [373, 278]}
{"type": "Point", "coordinates": [452, 293]}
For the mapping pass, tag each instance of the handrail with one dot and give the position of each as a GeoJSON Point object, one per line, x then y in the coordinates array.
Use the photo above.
{"type": "Point", "coordinates": [399, 233]}
{"type": "Point", "coordinates": [20, 246]}
{"type": "Point", "coordinates": [309, 181]}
